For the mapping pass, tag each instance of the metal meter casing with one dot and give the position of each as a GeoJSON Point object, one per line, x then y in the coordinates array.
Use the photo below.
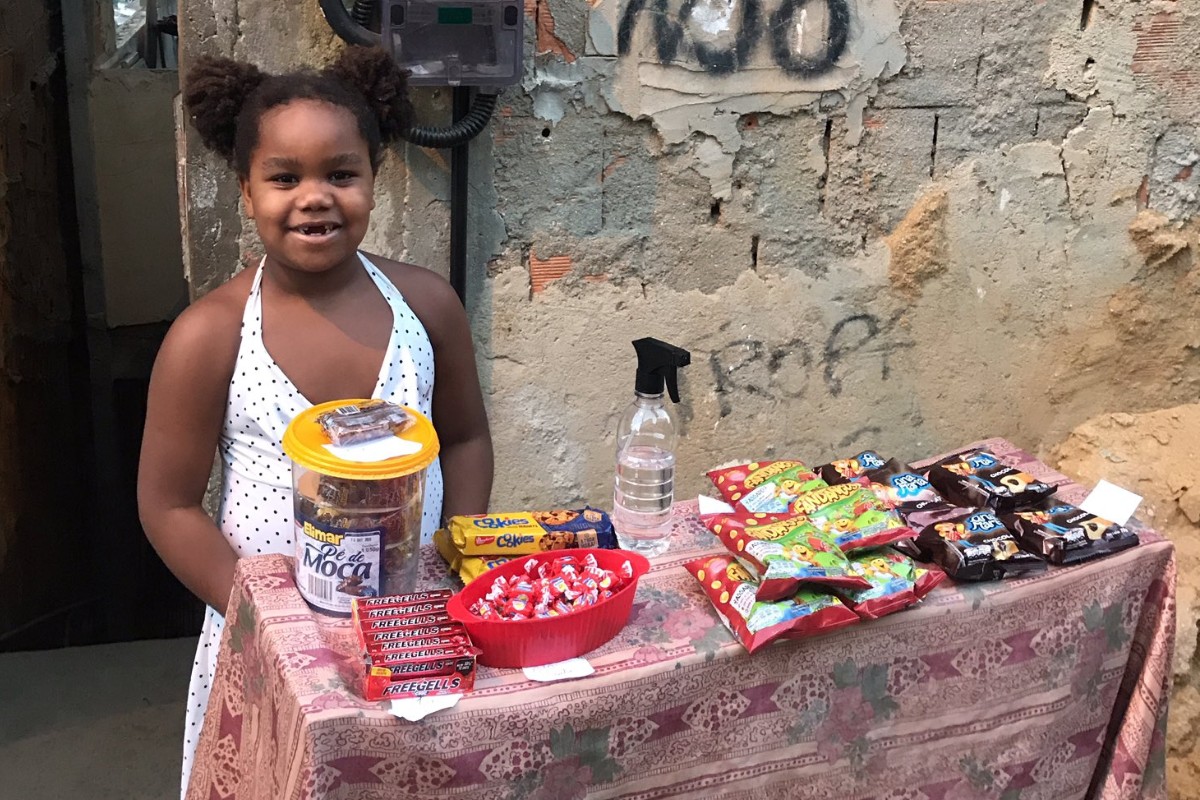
{"type": "Point", "coordinates": [445, 43]}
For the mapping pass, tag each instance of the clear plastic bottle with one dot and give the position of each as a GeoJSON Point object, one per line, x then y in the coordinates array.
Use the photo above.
{"type": "Point", "coordinates": [644, 483]}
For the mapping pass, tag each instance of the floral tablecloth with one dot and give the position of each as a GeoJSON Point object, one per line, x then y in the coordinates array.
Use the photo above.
{"type": "Point", "coordinates": [1048, 687]}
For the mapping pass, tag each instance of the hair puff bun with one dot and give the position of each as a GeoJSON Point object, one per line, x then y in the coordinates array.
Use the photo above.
{"type": "Point", "coordinates": [382, 83]}
{"type": "Point", "coordinates": [214, 93]}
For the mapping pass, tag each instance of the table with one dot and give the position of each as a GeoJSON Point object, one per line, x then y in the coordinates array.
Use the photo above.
{"type": "Point", "coordinates": [1047, 687]}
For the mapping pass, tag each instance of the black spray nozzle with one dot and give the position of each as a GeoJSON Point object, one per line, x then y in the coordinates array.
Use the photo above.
{"type": "Point", "coordinates": [657, 363]}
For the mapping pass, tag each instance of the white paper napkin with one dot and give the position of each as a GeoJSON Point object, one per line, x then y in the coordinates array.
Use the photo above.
{"type": "Point", "coordinates": [560, 671]}
{"type": "Point", "coordinates": [1111, 502]}
{"type": "Point", "coordinates": [373, 450]}
{"type": "Point", "coordinates": [711, 505]}
{"type": "Point", "coordinates": [415, 709]}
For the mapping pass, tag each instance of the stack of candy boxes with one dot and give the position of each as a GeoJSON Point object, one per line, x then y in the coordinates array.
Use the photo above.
{"type": "Point", "coordinates": [411, 646]}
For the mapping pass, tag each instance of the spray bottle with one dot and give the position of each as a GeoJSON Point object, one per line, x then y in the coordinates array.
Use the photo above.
{"type": "Point", "coordinates": [644, 486]}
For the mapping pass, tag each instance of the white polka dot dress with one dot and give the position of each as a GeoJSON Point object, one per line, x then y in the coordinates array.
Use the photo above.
{"type": "Point", "coordinates": [256, 501]}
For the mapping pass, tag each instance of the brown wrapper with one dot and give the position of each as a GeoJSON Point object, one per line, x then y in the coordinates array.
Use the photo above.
{"type": "Point", "coordinates": [1066, 534]}
{"type": "Point", "coordinates": [978, 478]}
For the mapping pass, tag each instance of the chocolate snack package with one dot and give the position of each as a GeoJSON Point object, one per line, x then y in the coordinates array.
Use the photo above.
{"type": "Point", "coordinates": [978, 478]}
{"type": "Point", "coordinates": [866, 464]}
{"type": "Point", "coordinates": [769, 487]}
{"type": "Point", "coordinates": [977, 546]}
{"type": "Point", "coordinates": [1066, 534]}
{"type": "Point", "coordinates": [782, 554]}
{"type": "Point", "coordinates": [922, 515]}
{"type": "Point", "coordinates": [892, 483]}
{"type": "Point", "coordinates": [755, 623]}
{"type": "Point", "coordinates": [904, 490]}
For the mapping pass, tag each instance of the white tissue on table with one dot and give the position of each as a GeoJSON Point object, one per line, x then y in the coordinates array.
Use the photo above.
{"type": "Point", "coordinates": [711, 505]}
{"type": "Point", "coordinates": [415, 709]}
{"type": "Point", "coordinates": [560, 670]}
{"type": "Point", "coordinates": [1111, 502]}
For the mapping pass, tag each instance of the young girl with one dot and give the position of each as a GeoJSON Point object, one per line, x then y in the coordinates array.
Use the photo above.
{"type": "Point", "coordinates": [316, 321]}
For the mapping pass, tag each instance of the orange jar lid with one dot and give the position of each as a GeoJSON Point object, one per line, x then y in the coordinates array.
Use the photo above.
{"type": "Point", "coordinates": [305, 442]}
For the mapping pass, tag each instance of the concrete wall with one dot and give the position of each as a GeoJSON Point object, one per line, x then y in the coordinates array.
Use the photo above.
{"type": "Point", "coordinates": [41, 455]}
{"type": "Point", "coordinates": [911, 224]}
{"type": "Point", "coordinates": [133, 136]}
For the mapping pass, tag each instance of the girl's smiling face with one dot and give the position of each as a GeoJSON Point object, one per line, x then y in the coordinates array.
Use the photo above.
{"type": "Point", "coordinates": [310, 189]}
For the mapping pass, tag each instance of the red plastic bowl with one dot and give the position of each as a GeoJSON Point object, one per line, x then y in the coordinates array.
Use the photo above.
{"type": "Point", "coordinates": [532, 642]}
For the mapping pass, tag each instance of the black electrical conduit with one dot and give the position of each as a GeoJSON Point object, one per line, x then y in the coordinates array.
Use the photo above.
{"type": "Point", "coordinates": [346, 27]}
{"type": "Point", "coordinates": [459, 164]}
{"type": "Point", "coordinates": [363, 12]}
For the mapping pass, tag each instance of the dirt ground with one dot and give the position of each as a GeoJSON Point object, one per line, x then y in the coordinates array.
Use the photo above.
{"type": "Point", "coordinates": [1157, 455]}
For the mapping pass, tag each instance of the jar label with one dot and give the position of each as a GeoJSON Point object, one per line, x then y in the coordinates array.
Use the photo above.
{"type": "Point", "coordinates": [334, 565]}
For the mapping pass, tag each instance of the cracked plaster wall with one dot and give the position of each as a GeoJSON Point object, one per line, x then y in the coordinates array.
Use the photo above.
{"type": "Point", "coordinates": [978, 219]}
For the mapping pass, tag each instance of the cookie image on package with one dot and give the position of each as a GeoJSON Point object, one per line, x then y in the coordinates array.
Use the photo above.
{"type": "Point", "coordinates": [554, 519]}
{"type": "Point", "coordinates": [557, 540]}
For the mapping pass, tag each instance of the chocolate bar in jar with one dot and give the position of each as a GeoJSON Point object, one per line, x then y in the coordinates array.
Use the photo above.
{"type": "Point", "coordinates": [363, 421]}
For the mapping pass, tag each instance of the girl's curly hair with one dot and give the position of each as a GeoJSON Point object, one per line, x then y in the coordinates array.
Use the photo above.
{"type": "Point", "coordinates": [226, 100]}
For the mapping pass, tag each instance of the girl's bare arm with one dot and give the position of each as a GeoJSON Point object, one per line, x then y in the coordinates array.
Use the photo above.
{"type": "Point", "coordinates": [185, 410]}
{"type": "Point", "coordinates": [459, 414]}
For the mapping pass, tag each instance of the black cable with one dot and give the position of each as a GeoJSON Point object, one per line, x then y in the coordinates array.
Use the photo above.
{"type": "Point", "coordinates": [463, 130]}
{"type": "Point", "coordinates": [459, 187]}
{"type": "Point", "coordinates": [344, 25]}
{"type": "Point", "coordinates": [363, 12]}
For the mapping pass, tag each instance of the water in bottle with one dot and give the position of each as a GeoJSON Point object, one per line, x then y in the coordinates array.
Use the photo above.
{"type": "Point", "coordinates": [642, 495]}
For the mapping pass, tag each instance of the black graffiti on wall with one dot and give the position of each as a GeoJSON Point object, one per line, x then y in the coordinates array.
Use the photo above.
{"type": "Point", "coordinates": [863, 343]}
{"type": "Point", "coordinates": [669, 31]}
{"type": "Point", "coordinates": [754, 367]}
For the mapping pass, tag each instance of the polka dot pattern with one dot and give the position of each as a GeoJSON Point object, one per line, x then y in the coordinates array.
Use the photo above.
{"type": "Point", "coordinates": [256, 502]}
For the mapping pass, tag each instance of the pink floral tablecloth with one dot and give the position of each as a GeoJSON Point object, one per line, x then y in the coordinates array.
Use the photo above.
{"type": "Point", "coordinates": [1049, 687]}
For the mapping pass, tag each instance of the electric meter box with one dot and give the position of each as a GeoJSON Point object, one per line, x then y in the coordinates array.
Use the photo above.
{"type": "Point", "coordinates": [442, 43]}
